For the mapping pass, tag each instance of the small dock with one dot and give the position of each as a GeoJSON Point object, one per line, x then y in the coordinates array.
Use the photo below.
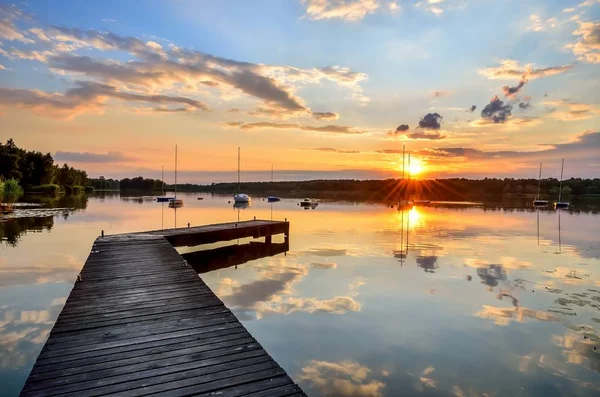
{"type": "Point", "coordinates": [140, 321]}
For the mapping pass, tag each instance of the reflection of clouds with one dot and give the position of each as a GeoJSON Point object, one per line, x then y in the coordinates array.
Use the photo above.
{"type": "Point", "coordinates": [491, 275]}
{"type": "Point", "coordinates": [425, 379]}
{"type": "Point", "coordinates": [22, 333]}
{"type": "Point", "coordinates": [50, 268]}
{"type": "Point", "coordinates": [505, 315]}
{"type": "Point", "coordinates": [317, 265]}
{"type": "Point", "coordinates": [343, 378]}
{"type": "Point", "coordinates": [560, 368]}
{"type": "Point", "coordinates": [272, 293]}
{"type": "Point", "coordinates": [567, 275]}
{"type": "Point", "coordinates": [507, 262]}
{"type": "Point", "coordinates": [427, 263]}
{"type": "Point", "coordinates": [337, 305]}
{"type": "Point", "coordinates": [327, 252]}
{"type": "Point", "coordinates": [581, 345]}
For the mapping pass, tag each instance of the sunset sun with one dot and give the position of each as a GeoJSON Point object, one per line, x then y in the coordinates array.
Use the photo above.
{"type": "Point", "coordinates": [416, 167]}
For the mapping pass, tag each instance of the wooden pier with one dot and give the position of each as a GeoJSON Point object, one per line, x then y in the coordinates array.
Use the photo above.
{"type": "Point", "coordinates": [140, 321]}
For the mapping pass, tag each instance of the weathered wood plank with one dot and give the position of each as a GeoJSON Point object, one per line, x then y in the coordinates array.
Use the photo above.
{"type": "Point", "coordinates": [140, 321]}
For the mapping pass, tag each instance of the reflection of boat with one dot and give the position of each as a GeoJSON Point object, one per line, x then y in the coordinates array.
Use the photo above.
{"type": "Point", "coordinates": [405, 205]}
{"type": "Point", "coordinates": [240, 197]}
{"type": "Point", "coordinates": [241, 205]}
{"type": "Point", "coordinates": [561, 204]}
{"type": "Point", "coordinates": [163, 198]}
{"type": "Point", "coordinates": [273, 199]}
{"type": "Point", "coordinates": [175, 202]}
{"type": "Point", "coordinates": [232, 255]}
{"type": "Point", "coordinates": [537, 202]}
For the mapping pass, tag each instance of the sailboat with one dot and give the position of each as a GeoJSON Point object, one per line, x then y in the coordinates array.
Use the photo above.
{"type": "Point", "coordinates": [175, 202]}
{"type": "Point", "coordinates": [537, 202]}
{"type": "Point", "coordinates": [272, 199]}
{"type": "Point", "coordinates": [163, 198]}
{"type": "Point", "coordinates": [561, 204]}
{"type": "Point", "coordinates": [240, 197]}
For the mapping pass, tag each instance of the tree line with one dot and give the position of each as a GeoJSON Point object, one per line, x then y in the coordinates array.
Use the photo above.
{"type": "Point", "coordinates": [36, 172]}
{"type": "Point", "coordinates": [137, 183]}
{"type": "Point", "coordinates": [398, 189]}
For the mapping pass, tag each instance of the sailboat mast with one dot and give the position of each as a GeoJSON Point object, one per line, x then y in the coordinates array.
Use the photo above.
{"type": "Point", "coordinates": [162, 176]}
{"type": "Point", "coordinates": [238, 187]}
{"type": "Point", "coordinates": [539, 182]}
{"type": "Point", "coordinates": [403, 161]}
{"type": "Point", "coordinates": [271, 173]}
{"type": "Point", "coordinates": [175, 171]}
{"type": "Point", "coordinates": [562, 167]}
{"type": "Point", "coordinates": [409, 166]}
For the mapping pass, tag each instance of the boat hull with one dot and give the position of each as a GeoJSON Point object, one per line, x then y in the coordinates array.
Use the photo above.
{"type": "Point", "coordinates": [561, 205]}
{"type": "Point", "coordinates": [540, 203]}
{"type": "Point", "coordinates": [273, 199]}
{"type": "Point", "coordinates": [164, 199]}
{"type": "Point", "coordinates": [241, 198]}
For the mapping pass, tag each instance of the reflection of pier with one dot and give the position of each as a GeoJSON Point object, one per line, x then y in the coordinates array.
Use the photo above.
{"type": "Point", "coordinates": [140, 321]}
{"type": "Point", "coordinates": [233, 255]}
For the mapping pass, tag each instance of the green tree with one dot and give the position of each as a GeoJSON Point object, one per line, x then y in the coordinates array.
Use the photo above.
{"type": "Point", "coordinates": [12, 191]}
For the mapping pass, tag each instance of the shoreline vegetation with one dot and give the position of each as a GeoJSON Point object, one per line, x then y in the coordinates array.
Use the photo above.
{"type": "Point", "coordinates": [389, 190]}
{"type": "Point", "coordinates": [37, 175]}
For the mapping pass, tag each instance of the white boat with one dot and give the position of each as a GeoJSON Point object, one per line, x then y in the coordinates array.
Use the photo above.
{"type": "Point", "coordinates": [175, 202]}
{"type": "Point", "coordinates": [240, 197]}
{"type": "Point", "coordinates": [306, 202]}
{"type": "Point", "coordinates": [537, 202]}
{"type": "Point", "coordinates": [561, 204]}
{"type": "Point", "coordinates": [309, 203]}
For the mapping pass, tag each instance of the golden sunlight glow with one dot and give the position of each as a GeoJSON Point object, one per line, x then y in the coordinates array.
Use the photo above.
{"type": "Point", "coordinates": [416, 167]}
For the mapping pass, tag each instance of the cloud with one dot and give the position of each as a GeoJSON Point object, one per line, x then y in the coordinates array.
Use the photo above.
{"type": "Point", "coordinates": [440, 94]}
{"type": "Point", "coordinates": [582, 145]}
{"type": "Point", "coordinates": [400, 130]}
{"type": "Point", "coordinates": [341, 378]}
{"type": "Point", "coordinates": [325, 115]}
{"type": "Point", "coordinates": [431, 121]}
{"type": "Point", "coordinates": [587, 47]}
{"type": "Point", "coordinates": [496, 111]}
{"type": "Point", "coordinates": [87, 96]}
{"type": "Point", "coordinates": [88, 157]}
{"type": "Point", "coordinates": [538, 24]}
{"type": "Point", "coordinates": [348, 10]}
{"type": "Point", "coordinates": [8, 30]}
{"type": "Point", "coordinates": [524, 105]}
{"type": "Point", "coordinates": [334, 129]}
{"type": "Point", "coordinates": [333, 150]}
{"type": "Point", "coordinates": [571, 111]}
{"type": "Point", "coordinates": [510, 69]}
{"type": "Point", "coordinates": [430, 135]}
{"type": "Point", "coordinates": [512, 91]}
{"type": "Point", "coordinates": [156, 69]}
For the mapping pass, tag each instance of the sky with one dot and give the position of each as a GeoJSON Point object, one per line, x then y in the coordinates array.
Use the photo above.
{"type": "Point", "coordinates": [312, 89]}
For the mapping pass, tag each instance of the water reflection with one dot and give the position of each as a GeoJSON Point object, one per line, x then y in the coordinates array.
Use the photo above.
{"type": "Point", "coordinates": [339, 313]}
{"type": "Point", "coordinates": [233, 255]}
{"type": "Point", "coordinates": [11, 229]}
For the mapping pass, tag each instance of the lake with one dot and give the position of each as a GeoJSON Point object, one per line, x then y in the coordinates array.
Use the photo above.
{"type": "Point", "coordinates": [440, 300]}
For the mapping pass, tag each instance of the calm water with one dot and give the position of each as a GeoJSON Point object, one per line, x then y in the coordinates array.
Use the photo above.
{"type": "Point", "coordinates": [368, 301]}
